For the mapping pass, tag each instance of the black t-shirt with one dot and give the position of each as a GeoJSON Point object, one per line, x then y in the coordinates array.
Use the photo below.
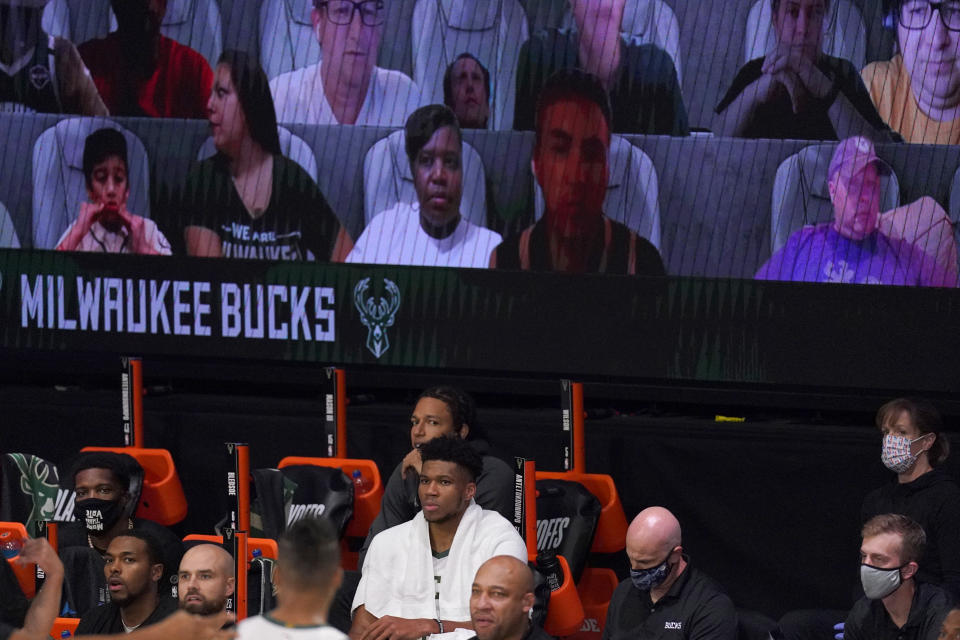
{"type": "Point", "coordinates": [297, 224]}
{"type": "Point", "coordinates": [869, 620]}
{"type": "Point", "coordinates": [777, 120]}
{"type": "Point", "coordinates": [73, 534]}
{"type": "Point", "coordinates": [645, 99]}
{"type": "Point", "coordinates": [6, 631]}
{"type": "Point", "coordinates": [616, 244]}
{"type": "Point", "coordinates": [695, 608]}
{"type": "Point", "coordinates": [106, 619]}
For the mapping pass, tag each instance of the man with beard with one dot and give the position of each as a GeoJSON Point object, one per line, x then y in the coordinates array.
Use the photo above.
{"type": "Point", "coordinates": [206, 579]}
{"type": "Point", "coordinates": [140, 72]}
{"type": "Point", "coordinates": [133, 567]}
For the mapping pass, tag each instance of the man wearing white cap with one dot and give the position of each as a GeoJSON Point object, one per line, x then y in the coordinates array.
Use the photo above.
{"type": "Point", "coordinates": [855, 248]}
{"type": "Point", "coordinates": [40, 73]}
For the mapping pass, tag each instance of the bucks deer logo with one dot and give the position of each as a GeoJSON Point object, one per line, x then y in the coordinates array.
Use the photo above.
{"type": "Point", "coordinates": [377, 314]}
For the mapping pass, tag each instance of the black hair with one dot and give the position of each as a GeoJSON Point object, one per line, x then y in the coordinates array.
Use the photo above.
{"type": "Point", "coordinates": [456, 451]}
{"type": "Point", "coordinates": [423, 123]}
{"type": "Point", "coordinates": [568, 84]}
{"type": "Point", "coordinates": [309, 552]}
{"type": "Point", "coordinates": [253, 91]}
{"type": "Point", "coordinates": [121, 465]}
{"type": "Point", "coordinates": [461, 406]}
{"type": "Point", "coordinates": [154, 550]}
{"type": "Point", "coordinates": [448, 78]}
{"type": "Point", "coordinates": [100, 145]}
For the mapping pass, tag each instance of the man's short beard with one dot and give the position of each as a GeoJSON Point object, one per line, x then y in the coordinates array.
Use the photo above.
{"type": "Point", "coordinates": [205, 608]}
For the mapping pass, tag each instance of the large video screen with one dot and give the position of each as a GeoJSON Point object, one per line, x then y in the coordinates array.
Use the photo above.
{"type": "Point", "coordinates": [804, 141]}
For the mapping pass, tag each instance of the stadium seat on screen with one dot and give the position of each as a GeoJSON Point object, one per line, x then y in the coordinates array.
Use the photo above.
{"type": "Point", "coordinates": [955, 207]}
{"type": "Point", "coordinates": [291, 146]}
{"type": "Point", "coordinates": [387, 180]}
{"type": "Point", "coordinates": [8, 234]}
{"type": "Point", "coordinates": [647, 21]}
{"type": "Point", "coordinates": [58, 184]}
{"type": "Point", "coordinates": [287, 40]}
{"type": "Point", "coordinates": [195, 23]}
{"type": "Point", "coordinates": [800, 195]}
{"type": "Point", "coordinates": [492, 30]}
{"type": "Point", "coordinates": [632, 191]}
{"type": "Point", "coordinates": [844, 34]}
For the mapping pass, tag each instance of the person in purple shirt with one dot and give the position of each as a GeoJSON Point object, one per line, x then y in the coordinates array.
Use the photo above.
{"type": "Point", "coordinates": [851, 249]}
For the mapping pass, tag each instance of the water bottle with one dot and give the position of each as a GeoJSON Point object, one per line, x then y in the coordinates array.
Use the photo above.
{"type": "Point", "coordinates": [549, 566]}
{"type": "Point", "coordinates": [360, 484]}
{"type": "Point", "coordinates": [10, 545]}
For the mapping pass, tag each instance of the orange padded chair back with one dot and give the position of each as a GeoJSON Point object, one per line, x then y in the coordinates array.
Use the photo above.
{"type": "Point", "coordinates": [267, 546]}
{"type": "Point", "coordinates": [596, 588]}
{"type": "Point", "coordinates": [162, 498]}
{"type": "Point", "coordinates": [26, 574]}
{"type": "Point", "coordinates": [565, 611]}
{"type": "Point", "coordinates": [366, 505]}
{"type": "Point", "coordinates": [611, 533]}
{"type": "Point", "coordinates": [64, 624]}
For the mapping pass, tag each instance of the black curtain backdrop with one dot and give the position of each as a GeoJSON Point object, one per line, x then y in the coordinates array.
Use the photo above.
{"type": "Point", "coordinates": [769, 508]}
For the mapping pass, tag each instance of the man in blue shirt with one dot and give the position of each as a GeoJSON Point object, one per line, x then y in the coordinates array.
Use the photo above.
{"type": "Point", "coordinates": [851, 248]}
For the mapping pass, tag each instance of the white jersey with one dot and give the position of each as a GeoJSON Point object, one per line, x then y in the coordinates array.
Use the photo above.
{"type": "Point", "coordinates": [266, 628]}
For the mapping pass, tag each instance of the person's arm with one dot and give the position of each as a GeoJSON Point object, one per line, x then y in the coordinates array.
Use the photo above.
{"type": "Point", "coordinates": [737, 114]}
{"type": "Point", "coordinates": [202, 242]}
{"type": "Point", "coordinates": [367, 626]}
{"type": "Point", "coordinates": [395, 508]}
{"type": "Point", "coordinates": [77, 87]}
{"type": "Point", "coordinates": [847, 119]}
{"type": "Point", "coordinates": [45, 605]}
{"type": "Point", "coordinates": [74, 235]}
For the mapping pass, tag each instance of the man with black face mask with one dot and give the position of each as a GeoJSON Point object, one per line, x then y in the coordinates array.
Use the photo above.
{"type": "Point", "coordinates": [106, 500]}
{"type": "Point", "coordinates": [665, 597]}
{"type": "Point", "coordinates": [895, 606]}
{"type": "Point", "coordinates": [140, 72]}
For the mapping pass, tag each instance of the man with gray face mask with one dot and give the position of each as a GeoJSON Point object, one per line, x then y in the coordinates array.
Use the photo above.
{"type": "Point", "coordinates": [895, 606]}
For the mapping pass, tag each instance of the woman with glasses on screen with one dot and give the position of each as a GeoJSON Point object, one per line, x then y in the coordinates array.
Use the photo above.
{"type": "Point", "coordinates": [249, 201]}
{"type": "Point", "coordinates": [346, 86]}
{"type": "Point", "coordinates": [918, 91]}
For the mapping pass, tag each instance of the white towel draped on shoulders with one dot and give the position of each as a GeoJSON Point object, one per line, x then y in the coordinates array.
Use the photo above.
{"type": "Point", "coordinates": [397, 578]}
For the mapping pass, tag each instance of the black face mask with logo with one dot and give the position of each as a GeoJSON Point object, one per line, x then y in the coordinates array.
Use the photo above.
{"type": "Point", "coordinates": [97, 515]}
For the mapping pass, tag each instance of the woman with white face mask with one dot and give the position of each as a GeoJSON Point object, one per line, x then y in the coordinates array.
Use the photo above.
{"type": "Point", "coordinates": [914, 447]}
